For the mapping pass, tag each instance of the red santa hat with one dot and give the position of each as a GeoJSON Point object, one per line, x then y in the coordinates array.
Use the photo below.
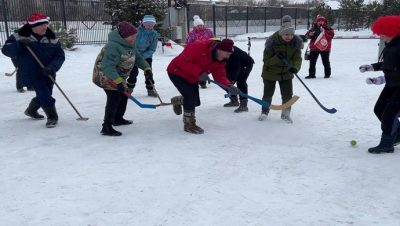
{"type": "Point", "coordinates": [37, 19]}
{"type": "Point", "coordinates": [387, 25]}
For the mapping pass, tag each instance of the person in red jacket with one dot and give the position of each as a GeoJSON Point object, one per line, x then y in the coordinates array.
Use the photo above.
{"type": "Point", "coordinates": [321, 40]}
{"type": "Point", "coordinates": [192, 66]}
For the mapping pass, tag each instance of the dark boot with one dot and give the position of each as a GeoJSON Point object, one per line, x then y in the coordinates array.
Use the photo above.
{"type": "Point", "coordinates": [189, 122]}
{"type": "Point", "coordinates": [242, 107]}
{"type": "Point", "coordinates": [177, 103]}
{"type": "Point", "coordinates": [203, 85]}
{"type": "Point", "coordinates": [122, 122]}
{"type": "Point", "coordinates": [385, 146]}
{"type": "Point", "coordinates": [52, 116]}
{"type": "Point", "coordinates": [310, 76]}
{"type": "Point", "coordinates": [31, 111]}
{"type": "Point", "coordinates": [233, 102]}
{"type": "Point", "coordinates": [397, 140]}
{"type": "Point", "coordinates": [108, 130]}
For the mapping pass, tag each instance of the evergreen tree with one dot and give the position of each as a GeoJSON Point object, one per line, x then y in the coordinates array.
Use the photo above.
{"type": "Point", "coordinates": [391, 7]}
{"type": "Point", "coordinates": [325, 11]}
{"type": "Point", "coordinates": [352, 14]}
{"type": "Point", "coordinates": [134, 10]}
{"type": "Point", "coordinates": [372, 11]}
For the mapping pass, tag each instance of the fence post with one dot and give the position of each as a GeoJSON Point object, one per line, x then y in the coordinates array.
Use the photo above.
{"type": "Point", "coordinates": [214, 22]}
{"type": "Point", "coordinates": [308, 19]}
{"type": "Point", "coordinates": [64, 14]}
{"type": "Point", "coordinates": [247, 19]}
{"type": "Point", "coordinates": [3, 2]}
{"type": "Point", "coordinates": [281, 13]}
{"type": "Point", "coordinates": [226, 21]}
{"type": "Point", "coordinates": [295, 19]}
{"type": "Point", "coordinates": [265, 19]}
{"type": "Point", "coordinates": [187, 19]}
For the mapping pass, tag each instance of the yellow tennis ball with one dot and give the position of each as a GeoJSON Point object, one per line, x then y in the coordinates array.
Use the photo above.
{"type": "Point", "coordinates": [353, 143]}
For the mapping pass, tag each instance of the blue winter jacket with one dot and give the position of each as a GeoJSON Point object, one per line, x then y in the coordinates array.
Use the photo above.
{"type": "Point", "coordinates": [146, 42]}
{"type": "Point", "coordinates": [48, 50]}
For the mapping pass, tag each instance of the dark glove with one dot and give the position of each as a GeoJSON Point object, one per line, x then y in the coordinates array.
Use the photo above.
{"type": "Point", "coordinates": [233, 90]}
{"type": "Point", "coordinates": [148, 75]}
{"type": "Point", "coordinates": [47, 71]}
{"type": "Point", "coordinates": [121, 88]}
{"type": "Point", "coordinates": [204, 77]}
{"type": "Point", "coordinates": [293, 70]}
{"type": "Point", "coordinates": [25, 42]}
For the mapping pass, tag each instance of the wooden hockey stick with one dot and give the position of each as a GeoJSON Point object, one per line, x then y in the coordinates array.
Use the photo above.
{"type": "Point", "coordinates": [285, 105]}
{"type": "Point", "coordinates": [10, 74]}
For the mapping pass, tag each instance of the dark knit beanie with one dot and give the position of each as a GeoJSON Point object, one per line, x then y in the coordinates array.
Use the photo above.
{"type": "Point", "coordinates": [226, 45]}
{"type": "Point", "coordinates": [126, 29]}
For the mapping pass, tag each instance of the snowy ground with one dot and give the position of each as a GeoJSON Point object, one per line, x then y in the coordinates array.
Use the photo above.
{"type": "Point", "coordinates": [241, 172]}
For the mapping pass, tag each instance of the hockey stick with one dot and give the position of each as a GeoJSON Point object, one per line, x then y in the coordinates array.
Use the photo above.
{"type": "Point", "coordinates": [55, 83]}
{"type": "Point", "coordinates": [158, 96]}
{"type": "Point", "coordinates": [259, 101]}
{"type": "Point", "coordinates": [11, 74]}
{"type": "Point", "coordinates": [331, 111]}
{"type": "Point", "coordinates": [141, 105]}
{"type": "Point", "coordinates": [248, 45]}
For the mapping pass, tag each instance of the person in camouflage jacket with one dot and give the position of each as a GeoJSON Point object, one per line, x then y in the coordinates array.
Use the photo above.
{"type": "Point", "coordinates": [111, 71]}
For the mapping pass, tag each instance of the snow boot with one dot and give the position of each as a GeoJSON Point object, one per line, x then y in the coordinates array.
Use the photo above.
{"type": "Point", "coordinates": [189, 122]}
{"type": "Point", "coordinates": [108, 130]}
{"type": "Point", "coordinates": [122, 122]}
{"type": "Point", "coordinates": [264, 114]}
{"type": "Point", "coordinates": [285, 116]}
{"type": "Point", "coordinates": [203, 85]}
{"type": "Point", "coordinates": [385, 146]}
{"type": "Point", "coordinates": [52, 116]}
{"type": "Point", "coordinates": [242, 107]}
{"type": "Point", "coordinates": [397, 135]}
{"type": "Point", "coordinates": [32, 109]}
{"type": "Point", "coordinates": [177, 103]}
{"type": "Point", "coordinates": [310, 77]}
{"type": "Point", "coordinates": [233, 102]}
{"type": "Point", "coordinates": [152, 93]}
{"type": "Point", "coordinates": [21, 90]}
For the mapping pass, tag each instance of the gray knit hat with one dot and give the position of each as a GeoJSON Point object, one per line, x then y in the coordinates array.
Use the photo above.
{"type": "Point", "coordinates": [286, 27]}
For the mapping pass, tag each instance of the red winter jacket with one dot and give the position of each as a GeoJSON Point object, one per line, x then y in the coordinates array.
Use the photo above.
{"type": "Point", "coordinates": [195, 59]}
{"type": "Point", "coordinates": [329, 33]}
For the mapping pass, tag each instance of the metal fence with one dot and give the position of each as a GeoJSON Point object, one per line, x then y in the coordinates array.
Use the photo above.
{"type": "Point", "coordinates": [233, 20]}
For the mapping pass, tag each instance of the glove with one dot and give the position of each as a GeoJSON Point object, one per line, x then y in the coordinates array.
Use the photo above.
{"type": "Point", "coordinates": [121, 88]}
{"type": "Point", "coordinates": [148, 75]}
{"type": "Point", "coordinates": [377, 81]}
{"type": "Point", "coordinates": [233, 90]}
{"type": "Point", "coordinates": [293, 70]}
{"type": "Point", "coordinates": [366, 67]}
{"type": "Point", "coordinates": [25, 42]}
{"type": "Point", "coordinates": [204, 77]}
{"type": "Point", "coordinates": [47, 71]}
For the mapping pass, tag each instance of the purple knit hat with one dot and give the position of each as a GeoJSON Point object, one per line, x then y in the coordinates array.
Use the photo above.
{"type": "Point", "coordinates": [126, 29]}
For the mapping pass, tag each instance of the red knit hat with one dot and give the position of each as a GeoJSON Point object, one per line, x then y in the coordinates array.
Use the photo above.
{"type": "Point", "coordinates": [387, 25]}
{"type": "Point", "coordinates": [37, 19]}
{"type": "Point", "coordinates": [226, 45]}
{"type": "Point", "coordinates": [126, 29]}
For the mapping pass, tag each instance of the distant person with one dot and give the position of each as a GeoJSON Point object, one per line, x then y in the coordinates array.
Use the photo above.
{"type": "Point", "coordinates": [238, 68]}
{"type": "Point", "coordinates": [282, 44]}
{"type": "Point", "coordinates": [193, 65]}
{"type": "Point", "coordinates": [321, 41]}
{"type": "Point", "coordinates": [387, 107]}
{"type": "Point", "coordinates": [37, 36]}
{"type": "Point", "coordinates": [146, 44]}
{"type": "Point", "coordinates": [199, 33]}
{"type": "Point", "coordinates": [113, 65]}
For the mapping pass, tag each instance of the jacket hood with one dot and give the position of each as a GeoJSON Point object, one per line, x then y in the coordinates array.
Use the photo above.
{"type": "Point", "coordinates": [114, 36]}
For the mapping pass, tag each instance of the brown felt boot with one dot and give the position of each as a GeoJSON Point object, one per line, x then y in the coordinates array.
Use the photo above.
{"type": "Point", "coordinates": [242, 107]}
{"type": "Point", "coordinates": [177, 103]}
{"type": "Point", "coordinates": [189, 122]}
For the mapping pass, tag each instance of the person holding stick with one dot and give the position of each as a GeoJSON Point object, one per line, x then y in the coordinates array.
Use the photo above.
{"type": "Point", "coordinates": [40, 39]}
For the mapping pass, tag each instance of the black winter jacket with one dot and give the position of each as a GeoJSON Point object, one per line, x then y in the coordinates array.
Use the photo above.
{"type": "Point", "coordinates": [389, 63]}
{"type": "Point", "coordinates": [237, 62]}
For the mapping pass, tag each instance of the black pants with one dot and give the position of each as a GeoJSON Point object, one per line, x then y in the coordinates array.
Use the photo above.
{"type": "Point", "coordinates": [242, 79]}
{"type": "Point", "coordinates": [135, 73]}
{"type": "Point", "coordinates": [286, 87]}
{"type": "Point", "coordinates": [325, 62]}
{"type": "Point", "coordinates": [387, 109]}
{"type": "Point", "coordinates": [189, 91]}
{"type": "Point", "coordinates": [18, 81]}
{"type": "Point", "coordinates": [115, 106]}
